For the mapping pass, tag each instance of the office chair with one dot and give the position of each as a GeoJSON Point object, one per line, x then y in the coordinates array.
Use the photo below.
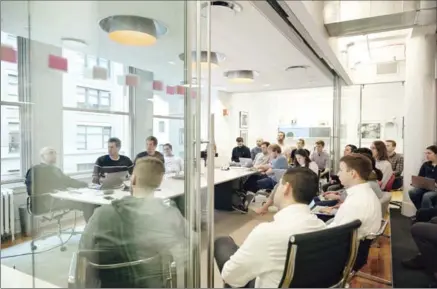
{"type": "Point", "coordinates": [366, 243]}
{"type": "Point", "coordinates": [87, 270]}
{"type": "Point", "coordinates": [321, 259]}
{"type": "Point", "coordinates": [41, 207]}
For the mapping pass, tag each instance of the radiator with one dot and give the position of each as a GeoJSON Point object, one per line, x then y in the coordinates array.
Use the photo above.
{"type": "Point", "coordinates": [7, 214]}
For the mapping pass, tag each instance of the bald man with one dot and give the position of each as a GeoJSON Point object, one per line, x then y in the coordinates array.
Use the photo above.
{"type": "Point", "coordinates": [137, 227]}
{"type": "Point", "coordinates": [46, 178]}
{"type": "Point", "coordinates": [256, 150]}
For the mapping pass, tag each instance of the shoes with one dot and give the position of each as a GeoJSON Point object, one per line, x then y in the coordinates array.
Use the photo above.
{"type": "Point", "coordinates": [240, 208]}
{"type": "Point", "coordinates": [415, 263]}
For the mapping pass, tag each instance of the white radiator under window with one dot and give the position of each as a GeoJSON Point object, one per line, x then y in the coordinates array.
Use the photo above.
{"type": "Point", "coordinates": [7, 214]}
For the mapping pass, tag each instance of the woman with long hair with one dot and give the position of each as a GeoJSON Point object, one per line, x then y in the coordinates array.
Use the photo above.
{"type": "Point", "coordinates": [376, 175]}
{"type": "Point", "coordinates": [303, 160]}
{"type": "Point", "coordinates": [379, 152]}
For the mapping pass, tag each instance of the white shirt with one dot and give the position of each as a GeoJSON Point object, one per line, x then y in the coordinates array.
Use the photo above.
{"type": "Point", "coordinates": [263, 253]}
{"type": "Point", "coordinates": [361, 204]}
{"type": "Point", "coordinates": [173, 164]}
{"type": "Point", "coordinates": [387, 172]}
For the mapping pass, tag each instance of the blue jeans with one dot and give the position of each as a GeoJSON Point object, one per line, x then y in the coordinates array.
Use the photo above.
{"type": "Point", "coordinates": [266, 184]}
{"type": "Point", "coordinates": [422, 199]}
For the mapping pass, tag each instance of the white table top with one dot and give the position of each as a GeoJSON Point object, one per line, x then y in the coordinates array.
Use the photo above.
{"type": "Point", "coordinates": [170, 188]}
{"type": "Point", "coordinates": [12, 278]}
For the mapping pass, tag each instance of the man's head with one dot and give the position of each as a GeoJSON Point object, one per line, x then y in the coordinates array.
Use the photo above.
{"type": "Point", "coordinates": [300, 143]}
{"type": "Point", "coordinates": [264, 147]}
{"type": "Point", "coordinates": [147, 175]}
{"type": "Point", "coordinates": [298, 185]}
{"type": "Point", "coordinates": [320, 145]}
{"type": "Point", "coordinates": [391, 146]}
{"type": "Point", "coordinates": [274, 150]}
{"type": "Point", "coordinates": [114, 145]}
{"type": "Point", "coordinates": [240, 141]}
{"type": "Point", "coordinates": [48, 155]}
{"type": "Point", "coordinates": [151, 144]}
{"type": "Point", "coordinates": [281, 136]}
{"type": "Point", "coordinates": [348, 149]}
{"type": "Point", "coordinates": [259, 141]}
{"type": "Point", "coordinates": [168, 150]}
{"type": "Point", "coordinates": [354, 169]}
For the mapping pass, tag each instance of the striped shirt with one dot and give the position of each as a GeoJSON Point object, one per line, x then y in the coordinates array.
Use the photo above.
{"type": "Point", "coordinates": [105, 164]}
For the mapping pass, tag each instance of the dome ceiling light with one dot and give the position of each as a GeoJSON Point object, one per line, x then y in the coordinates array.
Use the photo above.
{"type": "Point", "coordinates": [241, 76]}
{"type": "Point", "coordinates": [133, 30]}
{"type": "Point", "coordinates": [216, 58]}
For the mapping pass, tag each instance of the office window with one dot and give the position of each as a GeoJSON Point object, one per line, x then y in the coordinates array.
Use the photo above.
{"type": "Point", "coordinates": [85, 167]}
{"type": "Point", "coordinates": [13, 85]}
{"type": "Point", "coordinates": [14, 137]}
{"type": "Point", "coordinates": [161, 126]}
{"type": "Point", "coordinates": [91, 61]}
{"type": "Point", "coordinates": [93, 98]}
{"type": "Point", "coordinates": [92, 137]}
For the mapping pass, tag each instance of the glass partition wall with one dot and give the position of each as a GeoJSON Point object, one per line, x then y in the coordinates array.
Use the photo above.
{"type": "Point", "coordinates": [80, 101]}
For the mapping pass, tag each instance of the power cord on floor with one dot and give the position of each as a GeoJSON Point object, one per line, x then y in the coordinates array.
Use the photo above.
{"type": "Point", "coordinates": [47, 250]}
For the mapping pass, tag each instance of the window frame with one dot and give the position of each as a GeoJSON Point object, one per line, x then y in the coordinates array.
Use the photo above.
{"type": "Point", "coordinates": [98, 62]}
{"type": "Point", "coordinates": [87, 104]}
{"type": "Point", "coordinates": [86, 134]}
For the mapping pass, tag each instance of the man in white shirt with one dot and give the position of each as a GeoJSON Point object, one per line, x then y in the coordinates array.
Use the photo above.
{"type": "Point", "coordinates": [262, 158]}
{"type": "Point", "coordinates": [173, 164]}
{"type": "Point", "coordinates": [259, 262]}
{"type": "Point", "coordinates": [361, 202]}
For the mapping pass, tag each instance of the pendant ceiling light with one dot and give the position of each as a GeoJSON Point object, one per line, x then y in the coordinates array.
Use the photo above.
{"type": "Point", "coordinates": [133, 30]}
{"type": "Point", "coordinates": [241, 76]}
{"type": "Point", "coordinates": [216, 58]}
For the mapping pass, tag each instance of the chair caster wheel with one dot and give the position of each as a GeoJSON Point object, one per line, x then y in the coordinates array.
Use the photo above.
{"type": "Point", "coordinates": [63, 249]}
{"type": "Point", "coordinates": [33, 247]}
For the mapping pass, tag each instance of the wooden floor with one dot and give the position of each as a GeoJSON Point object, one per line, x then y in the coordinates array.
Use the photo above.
{"type": "Point", "coordinates": [378, 265]}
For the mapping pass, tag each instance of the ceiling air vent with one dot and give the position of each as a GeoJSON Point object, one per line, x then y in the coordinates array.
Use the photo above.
{"type": "Point", "coordinates": [293, 67]}
{"type": "Point", "coordinates": [387, 68]}
{"type": "Point", "coordinates": [223, 5]}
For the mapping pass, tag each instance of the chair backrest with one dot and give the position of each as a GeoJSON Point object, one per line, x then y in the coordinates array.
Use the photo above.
{"type": "Point", "coordinates": [389, 185]}
{"type": "Point", "coordinates": [93, 271]}
{"type": "Point", "coordinates": [321, 259]}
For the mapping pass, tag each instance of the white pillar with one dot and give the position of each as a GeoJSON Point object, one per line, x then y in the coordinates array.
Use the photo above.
{"type": "Point", "coordinates": [420, 105]}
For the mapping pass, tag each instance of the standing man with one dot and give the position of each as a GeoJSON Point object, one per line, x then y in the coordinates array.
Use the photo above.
{"type": "Point", "coordinates": [286, 151]}
{"type": "Point", "coordinates": [240, 151]}
{"type": "Point", "coordinates": [256, 150]}
{"type": "Point", "coordinates": [397, 163]}
{"type": "Point", "coordinates": [151, 144]}
{"type": "Point", "coordinates": [173, 164]}
{"type": "Point", "coordinates": [321, 158]}
{"type": "Point", "coordinates": [113, 162]}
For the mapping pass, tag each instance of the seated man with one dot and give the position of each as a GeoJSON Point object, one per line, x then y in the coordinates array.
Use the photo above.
{"type": "Point", "coordinates": [113, 162]}
{"type": "Point", "coordinates": [424, 233]}
{"type": "Point", "coordinates": [259, 262]}
{"type": "Point", "coordinates": [46, 178]}
{"type": "Point", "coordinates": [173, 164]}
{"type": "Point", "coordinates": [299, 145]}
{"type": "Point", "coordinates": [321, 158]}
{"type": "Point", "coordinates": [397, 163]}
{"type": "Point", "coordinates": [277, 162]}
{"type": "Point", "coordinates": [151, 144]}
{"type": "Point", "coordinates": [135, 228]}
{"type": "Point", "coordinates": [361, 202]}
{"type": "Point", "coordinates": [240, 151]}
{"type": "Point", "coordinates": [256, 150]}
{"type": "Point", "coordinates": [262, 158]}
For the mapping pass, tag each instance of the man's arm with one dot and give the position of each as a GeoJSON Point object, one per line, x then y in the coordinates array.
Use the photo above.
{"type": "Point", "coordinates": [130, 166]}
{"type": "Point", "coordinates": [97, 172]}
{"type": "Point", "coordinates": [399, 168]}
{"type": "Point", "coordinates": [249, 261]}
{"type": "Point", "coordinates": [252, 154]}
{"type": "Point", "coordinates": [235, 157]}
{"type": "Point", "coordinates": [247, 153]}
{"type": "Point", "coordinates": [422, 170]}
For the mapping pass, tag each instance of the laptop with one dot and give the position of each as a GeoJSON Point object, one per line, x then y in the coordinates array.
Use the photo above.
{"type": "Point", "coordinates": [423, 183]}
{"type": "Point", "coordinates": [113, 180]}
{"type": "Point", "coordinates": [246, 162]}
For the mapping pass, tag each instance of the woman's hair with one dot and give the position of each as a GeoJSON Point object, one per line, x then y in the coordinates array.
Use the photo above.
{"type": "Point", "coordinates": [381, 150]}
{"type": "Point", "coordinates": [368, 153]}
{"type": "Point", "coordinates": [353, 147]}
{"type": "Point", "coordinates": [432, 148]}
{"type": "Point", "coordinates": [303, 152]}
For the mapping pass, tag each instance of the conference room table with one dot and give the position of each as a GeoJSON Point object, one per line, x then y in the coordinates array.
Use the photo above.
{"type": "Point", "coordinates": [12, 278]}
{"type": "Point", "coordinates": [170, 188]}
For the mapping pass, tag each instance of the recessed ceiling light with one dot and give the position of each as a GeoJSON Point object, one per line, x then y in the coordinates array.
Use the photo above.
{"type": "Point", "coordinates": [266, 85]}
{"type": "Point", "coordinates": [73, 43]}
{"type": "Point", "coordinates": [215, 58]}
{"type": "Point", "coordinates": [133, 30]}
{"type": "Point", "coordinates": [293, 67]}
{"type": "Point", "coordinates": [241, 76]}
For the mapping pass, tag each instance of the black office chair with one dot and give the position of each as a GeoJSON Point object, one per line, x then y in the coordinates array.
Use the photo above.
{"type": "Point", "coordinates": [321, 259]}
{"type": "Point", "coordinates": [89, 269]}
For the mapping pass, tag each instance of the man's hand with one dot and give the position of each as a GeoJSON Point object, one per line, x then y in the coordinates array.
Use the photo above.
{"type": "Point", "coordinates": [262, 210]}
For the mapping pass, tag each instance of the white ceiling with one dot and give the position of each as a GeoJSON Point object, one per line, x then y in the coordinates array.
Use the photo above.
{"type": "Point", "coordinates": [247, 39]}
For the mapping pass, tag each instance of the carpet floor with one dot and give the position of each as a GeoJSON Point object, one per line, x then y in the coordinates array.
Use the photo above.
{"type": "Point", "coordinates": [403, 247]}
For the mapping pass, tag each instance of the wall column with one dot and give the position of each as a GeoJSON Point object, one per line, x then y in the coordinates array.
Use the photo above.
{"type": "Point", "coordinates": [420, 105]}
